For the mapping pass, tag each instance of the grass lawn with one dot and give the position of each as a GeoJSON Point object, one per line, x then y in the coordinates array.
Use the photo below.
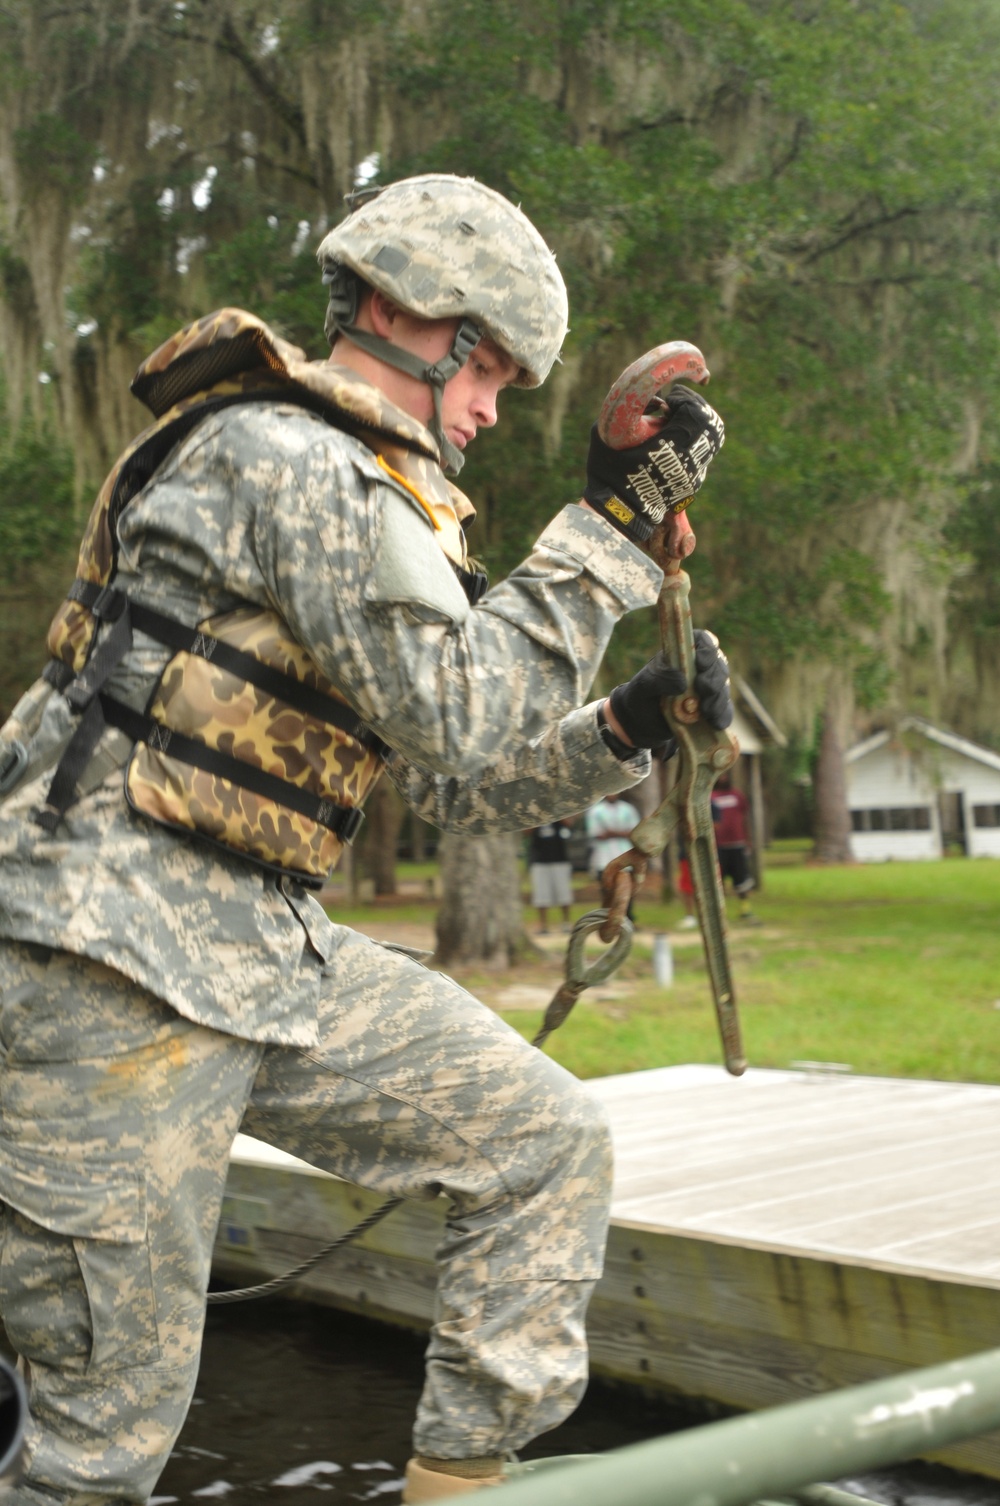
{"type": "Point", "coordinates": [892, 969]}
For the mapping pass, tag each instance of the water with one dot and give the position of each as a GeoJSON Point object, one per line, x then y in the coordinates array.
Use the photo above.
{"type": "Point", "coordinates": [305, 1405]}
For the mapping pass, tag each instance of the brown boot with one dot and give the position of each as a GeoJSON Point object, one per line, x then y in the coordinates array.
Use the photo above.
{"type": "Point", "coordinates": [423, 1484]}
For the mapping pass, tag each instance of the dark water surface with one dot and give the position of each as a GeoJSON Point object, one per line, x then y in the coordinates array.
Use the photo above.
{"type": "Point", "coordinates": [303, 1405]}
{"type": "Point", "coordinates": [294, 1401]}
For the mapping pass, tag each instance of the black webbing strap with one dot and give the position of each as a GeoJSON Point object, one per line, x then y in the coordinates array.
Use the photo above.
{"type": "Point", "coordinates": [57, 674]}
{"type": "Point", "coordinates": [344, 821]}
{"type": "Point", "coordinates": [475, 583]}
{"type": "Point", "coordinates": [78, 753]}
{"type": "Point", "coordinates": [85, 694]}
{"type": "Point", "coordinates": [81, 694]}
{"type": "Point", "coordinates": [104, 711]}
{"type": "Point", "coordinates": [183, 639]}
{"type": "Point", "coordinates": [111, 606]}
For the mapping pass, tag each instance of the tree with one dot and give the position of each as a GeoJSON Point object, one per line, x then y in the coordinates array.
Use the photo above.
{"type": "Point", "coordinates": [37, 546]}
{"type": "Point", "coordinates": [972, 664]}
{"type": "Point", "coordinates": [807, 193]}
{"type": "Point", "coordinates": [832, 842]}
{"type": "Point", "coordinates": [480, 916]}
{"type": "Point", "coordinates": [383, 821]}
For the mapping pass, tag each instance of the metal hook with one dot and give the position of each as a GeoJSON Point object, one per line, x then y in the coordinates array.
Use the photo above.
{"type": "Point", "coordinates": [578, 972]}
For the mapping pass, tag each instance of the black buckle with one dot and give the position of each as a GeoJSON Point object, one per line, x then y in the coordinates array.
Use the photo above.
{"type": "Point", "coordinates": [13, 762]}
{"type": "Point", "coordinates": [57, 674]}
{"type": "Point", "coordinates": [48, 818]}
{"type": "Point", "coordinates": [109, 604]}
{"type": "Point", "coordinates": [344, 821]}
{"type": "Point", "coordinates": [467, 337]}
{"type": "Point", "coordinates": [351, 827]}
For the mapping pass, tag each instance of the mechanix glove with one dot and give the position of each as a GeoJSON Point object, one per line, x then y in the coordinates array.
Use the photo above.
{"type": "Point", "coordinates": [711, 680]}
{"type": "Point", "coordinates": [635, 489]}
{"type": "Point", "coordinates": [636, 704]}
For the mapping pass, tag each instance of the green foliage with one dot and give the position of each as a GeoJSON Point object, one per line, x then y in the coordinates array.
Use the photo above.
{"type": "Point", "coordinates": [15, 277]}
{"type": "Point", "coordinates": [976, 531]}
{"type": "Point", "coordinates": [37, 546]}
{"type": "Point", "coordinates": [51, 153]}
{"type": "Point", "coordinates": [808, 193]}
{"type": "Point", "coordinates": [836, 230]}
{"type": "Point", "coordinates": [36, 496]}
{"type": "Point", "coordinates": [872, 679]}
{"type": "Point", "coordinates": [257, 269]}
{"type": "Point", "coordinates": [126, 276]}
{"type": "Point", "coordinates": [851, 965]}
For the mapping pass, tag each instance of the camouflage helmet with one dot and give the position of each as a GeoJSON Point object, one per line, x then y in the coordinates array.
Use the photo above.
{"type": "Point", "coordinates": [445, 247]}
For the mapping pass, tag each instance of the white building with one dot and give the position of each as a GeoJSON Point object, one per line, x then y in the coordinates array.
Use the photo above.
{"type": "Point", "coordinates": [911, 790]}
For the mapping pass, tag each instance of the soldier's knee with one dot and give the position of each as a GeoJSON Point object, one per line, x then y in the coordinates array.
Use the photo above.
{"type": "Point", "coordinates": [588, 1127]}
{"type": "Point", "coordinates": [577, 1152]}
{"type": "Point", "coordinates": [559, 1216]}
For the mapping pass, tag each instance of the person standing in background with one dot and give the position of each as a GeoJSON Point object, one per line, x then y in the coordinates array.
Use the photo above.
{"type": "Point", "coordinates": [730, 810]}
{"type": "Point", "coordinates": [685, 887]}
{"type": "Point", "coordinates": [610, 824]}
{"type": "Point", "coordinates": [551, 871]}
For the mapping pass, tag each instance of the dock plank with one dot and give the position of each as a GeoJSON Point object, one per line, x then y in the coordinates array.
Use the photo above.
{"type": "Point", "coordinates": [772, 1236]}
{"type": "Point", "coordinates": [870, 1168]}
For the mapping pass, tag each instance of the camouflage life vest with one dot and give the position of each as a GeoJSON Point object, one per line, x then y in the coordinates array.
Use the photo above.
{"type": "Point", "coordinates": [244, 741]}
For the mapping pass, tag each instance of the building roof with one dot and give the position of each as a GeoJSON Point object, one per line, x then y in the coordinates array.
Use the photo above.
{"type": "Point", "coordinates": [757, 717]}
{"type": "Point", "coordinates": [924, 728]}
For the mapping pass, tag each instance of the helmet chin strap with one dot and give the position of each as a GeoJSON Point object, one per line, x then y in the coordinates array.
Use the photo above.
{"type": "Point", "coordinates": [340, 319]}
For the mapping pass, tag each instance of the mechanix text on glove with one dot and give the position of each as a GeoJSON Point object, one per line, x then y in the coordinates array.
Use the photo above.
{"type": "Point", "coordinates": [636, 488]}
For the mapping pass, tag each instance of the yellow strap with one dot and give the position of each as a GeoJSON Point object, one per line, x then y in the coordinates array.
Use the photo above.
{"type": "Point", "coordinates": [410, 488]}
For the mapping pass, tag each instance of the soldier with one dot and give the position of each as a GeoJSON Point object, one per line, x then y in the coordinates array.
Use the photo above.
{"type": "Point", "coordinates": [274, 603]}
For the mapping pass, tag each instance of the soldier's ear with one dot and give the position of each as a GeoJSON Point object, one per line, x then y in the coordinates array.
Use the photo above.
{"type": "Point", "coordinates": [382, 313]}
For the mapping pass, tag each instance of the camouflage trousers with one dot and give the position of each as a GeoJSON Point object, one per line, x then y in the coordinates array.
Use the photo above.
{"type": "Point", "coordinates": [117, 1116]}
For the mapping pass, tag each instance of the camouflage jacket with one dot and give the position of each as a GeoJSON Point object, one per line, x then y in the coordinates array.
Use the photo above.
{"type": "Point", "coordinates": [270, 505]}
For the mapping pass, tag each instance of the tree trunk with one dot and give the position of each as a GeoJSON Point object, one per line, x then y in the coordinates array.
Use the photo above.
{"type": "Point", "coordinates": [756, 796]}
{"type": "Point", "coordinates": [832, 819]}
{"type": "Point", "coordinates": [480, 917]}
{"type": "Point", "coordinates": [348, 868]}
{"type": "Point", "coordinates": [384, 816]}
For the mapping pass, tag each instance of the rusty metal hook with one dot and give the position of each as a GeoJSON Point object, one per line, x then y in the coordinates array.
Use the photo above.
{"type": "Point", "coordinates": [623, 420]}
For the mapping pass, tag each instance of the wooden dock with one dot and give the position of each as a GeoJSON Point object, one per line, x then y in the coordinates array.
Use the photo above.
{"type": "Point", "coordinates": [772, 1237]}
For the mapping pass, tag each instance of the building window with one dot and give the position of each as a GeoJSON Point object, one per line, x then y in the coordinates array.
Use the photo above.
{"type": "Point", "coordinates": [898, 818]}
{"type": "Point", "coordinates": [986, 815]}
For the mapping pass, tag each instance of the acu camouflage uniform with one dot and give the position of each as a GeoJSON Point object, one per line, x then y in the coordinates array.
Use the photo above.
{"type": "Point", "coordinates": [158, 993]}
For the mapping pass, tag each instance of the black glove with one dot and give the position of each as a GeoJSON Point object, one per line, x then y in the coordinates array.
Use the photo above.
{"type": "Point", "coordinates": [634, 489]}
{"type": "Point", "coordinates": [636, 704]}
{"type": "Point", "coordinates": [711, 680]}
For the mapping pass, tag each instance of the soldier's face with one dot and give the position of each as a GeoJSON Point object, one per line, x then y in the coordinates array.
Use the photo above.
{"type": "Point", "coordinates": [470, 398]}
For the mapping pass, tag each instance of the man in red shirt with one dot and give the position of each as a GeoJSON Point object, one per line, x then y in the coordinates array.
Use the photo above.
{"type": "Point", "coordinates": [730, 810]}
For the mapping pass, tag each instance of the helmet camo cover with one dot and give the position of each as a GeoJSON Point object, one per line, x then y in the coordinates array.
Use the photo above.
{"type": "Point", "coordinates": [445, 247]}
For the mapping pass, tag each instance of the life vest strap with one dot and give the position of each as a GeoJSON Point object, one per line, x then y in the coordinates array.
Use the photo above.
{"type": "Point", "coordinates": [77, 755]}
{"type": "Point", "coordinates": [184, 639]}
{"type": "Point", "coordinates": [98, 710]}
{"type": "Point", "coordinates": [344, 821]}
{"type": "Point", "coordinates": [105, 711]}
